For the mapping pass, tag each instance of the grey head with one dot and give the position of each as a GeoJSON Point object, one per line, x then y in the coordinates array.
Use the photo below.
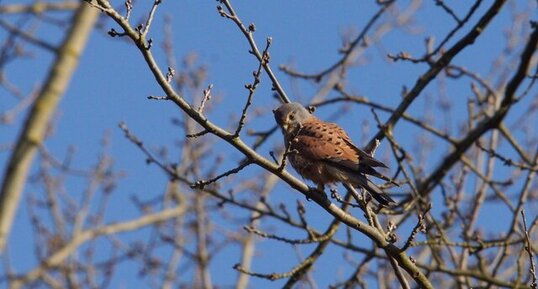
{"type": "Point", "coordinates": [290, 117]}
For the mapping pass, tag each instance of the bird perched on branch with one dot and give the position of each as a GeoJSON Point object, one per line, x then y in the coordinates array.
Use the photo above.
{"type": "Point", "coordinates": [323, 152]}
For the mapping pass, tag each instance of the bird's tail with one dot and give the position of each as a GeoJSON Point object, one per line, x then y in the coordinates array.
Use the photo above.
{"type": "Point", "coordinates": [381, 197]}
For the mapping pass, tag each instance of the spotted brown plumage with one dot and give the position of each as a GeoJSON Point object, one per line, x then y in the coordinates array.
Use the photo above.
{"type": "Point", "coordinates": [323, 152]}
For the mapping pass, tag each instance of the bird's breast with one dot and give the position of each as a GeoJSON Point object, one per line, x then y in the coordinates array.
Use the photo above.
{"type": "Point", "coordinates": [315, 171]}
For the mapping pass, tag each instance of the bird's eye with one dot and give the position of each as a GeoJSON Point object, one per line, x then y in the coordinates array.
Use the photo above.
{"type": "Point", "coordinates": [291, 116]}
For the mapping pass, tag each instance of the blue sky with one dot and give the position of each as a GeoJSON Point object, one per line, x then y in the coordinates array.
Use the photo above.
{"type": "Point", "coordinates": [112, 83]}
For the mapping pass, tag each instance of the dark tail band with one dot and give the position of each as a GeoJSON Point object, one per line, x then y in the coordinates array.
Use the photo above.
{"type": "Point", "coordinates": [382, 198]}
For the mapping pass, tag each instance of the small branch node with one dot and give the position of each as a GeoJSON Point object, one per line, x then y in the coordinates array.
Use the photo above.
{"type": "Point", "coordinates": [170, 74]}
{"type": "Point", "coordinates": [207, 96]}
{"type": "Point", "coordinates": [158, 97]}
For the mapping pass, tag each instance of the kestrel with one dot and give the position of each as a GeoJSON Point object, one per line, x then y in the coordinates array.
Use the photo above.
{"type": "Point", "coordinates": [323, 152]}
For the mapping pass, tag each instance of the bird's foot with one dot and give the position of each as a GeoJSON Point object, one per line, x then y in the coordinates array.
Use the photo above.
{"type": "Point", "coordinates": [335, 194]}
{"type": "Point", "coordinates": [315, 191]}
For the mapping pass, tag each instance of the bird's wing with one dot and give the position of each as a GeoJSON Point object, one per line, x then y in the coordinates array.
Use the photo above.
{"type": "Point", "coordinates": [362, 157]}
{"type": "Point", "coordinates": [365, 157]}
{"type": "Point", "coordinates": [327, 142]}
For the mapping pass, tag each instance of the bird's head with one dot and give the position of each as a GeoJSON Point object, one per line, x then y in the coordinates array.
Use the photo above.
{"type": "Point", "coordinates": [290, 117]}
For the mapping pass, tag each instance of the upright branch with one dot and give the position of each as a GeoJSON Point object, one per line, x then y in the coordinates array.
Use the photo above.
{"type": "Point", "coordinates": [207, 96]}
{"type": "Point", "coordinates": [34, 130]}
{"type": "Point", "coordinates": [252, 86]}
{"type": "Point", "coordinates": [145, 30]}
{"type": "Point", "coordinates": [528, 248]}
{"type": "Point", "coordinates": [249, 34]}
{"type": "Point", "coordinates": [419, 227]}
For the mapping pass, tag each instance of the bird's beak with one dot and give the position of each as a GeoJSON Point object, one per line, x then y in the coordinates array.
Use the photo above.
{"type": "Point", "coordinates": [280, 119]}
{"type": "Point", "coordinates": [278, 116]}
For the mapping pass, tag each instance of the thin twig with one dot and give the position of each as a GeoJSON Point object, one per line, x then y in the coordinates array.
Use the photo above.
{"type": "Point", "coordinates": [420, 226]}
{"type": "Point", "coordinates": [528, 248]}
{"type": "Point", "coordinates": [201, 184]}
{"type": "Point", "coordinates": [252, 87]}
{"type": "Point", "coordinates": [207, 96]}
{"type": "Point", "coordinates": [312, 239]}
{"type": "Point", "coordinates": [248, 33]}
{"type": "Point", "coordinates": [150, 17]}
